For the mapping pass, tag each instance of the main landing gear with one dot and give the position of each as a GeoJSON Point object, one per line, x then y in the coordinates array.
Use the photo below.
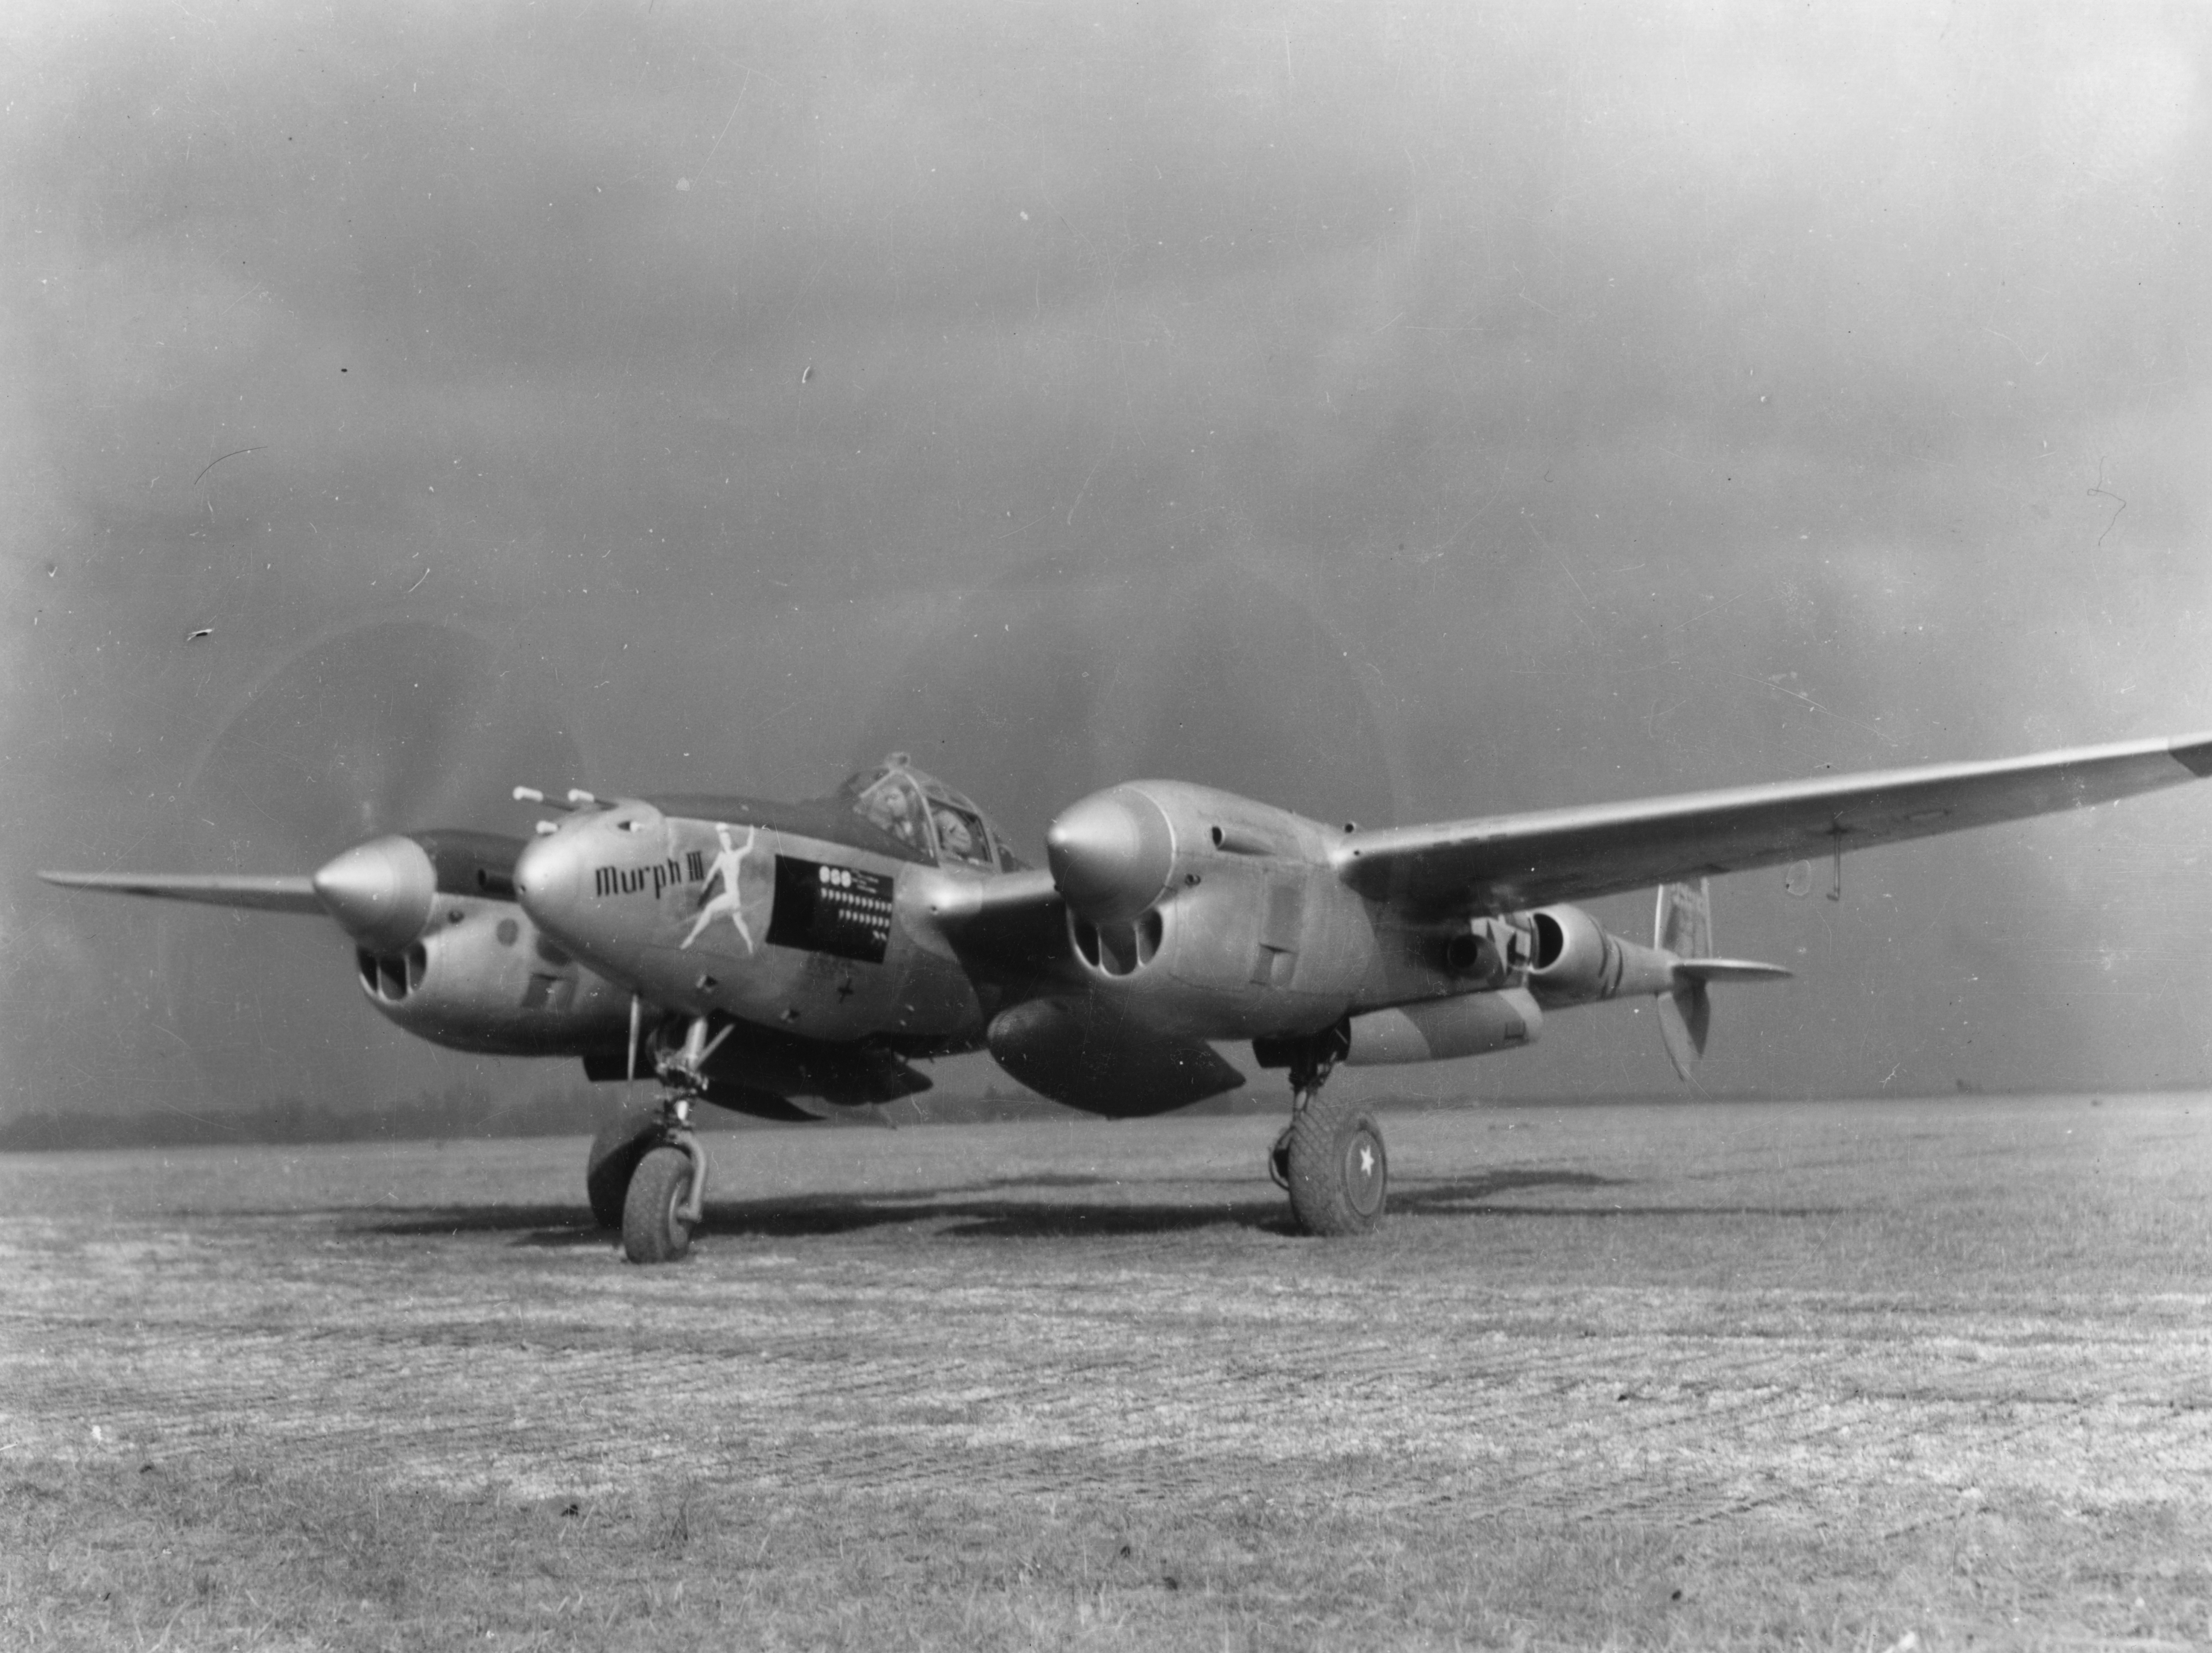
{"type": "Point", "coordinates": [1330, 1157]}
{"type": "Point", "coordinates": [647, 1172]}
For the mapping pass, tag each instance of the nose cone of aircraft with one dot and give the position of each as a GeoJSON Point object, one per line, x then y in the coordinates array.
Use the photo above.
{"type": "Point", "coordinates": [1111, 854]}
{"type": "Point", "coordinates": [380, 892]}
{"type": "Point", "coordinates": [548, 877]}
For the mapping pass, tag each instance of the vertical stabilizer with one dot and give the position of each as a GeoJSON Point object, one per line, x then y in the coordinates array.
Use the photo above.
{"type": "Point", "coordinates": [1684, 927]}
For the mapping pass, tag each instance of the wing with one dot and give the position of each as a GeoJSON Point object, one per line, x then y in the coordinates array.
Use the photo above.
{"type": "Point", "coordinates": [1500, 862]}
{"type": "Point", "coordinates": [269, 895]}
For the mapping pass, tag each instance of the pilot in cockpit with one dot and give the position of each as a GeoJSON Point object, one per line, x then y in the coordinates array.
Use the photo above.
{"type": "Point", "coordinates": [956, 838]}
{"type": "Point", "coordinates": [910, 806]}
{"type": "Point", "coordinates": [890, 803]}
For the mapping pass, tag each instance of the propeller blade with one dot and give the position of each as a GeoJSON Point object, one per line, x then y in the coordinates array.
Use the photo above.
{"type": "Point", "coordinates": [633, 1016]}
{"type": "Point", "coordinates": [1054, 682]}
{"type": "Point", "coordinates": [392, 725]}
{"type": "Point", "coordinates": [348, 740]}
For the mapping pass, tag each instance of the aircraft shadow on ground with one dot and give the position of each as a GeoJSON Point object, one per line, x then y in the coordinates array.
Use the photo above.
{"type": "Point", "coordinates": [991, 1209]}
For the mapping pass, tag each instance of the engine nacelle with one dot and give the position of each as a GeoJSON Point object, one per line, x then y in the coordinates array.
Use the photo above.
{"type": "Point", "coordinates": [1576, 960]}
{"type": "Point", "coordinates": [1195, 909]}
{"type": "Point", "coordinates": [1571, 953]}
{"type": "Point", "coordinates": [479, 976]}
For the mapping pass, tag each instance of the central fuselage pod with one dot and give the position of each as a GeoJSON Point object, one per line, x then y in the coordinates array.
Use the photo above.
{"type": "Point", "coordinates": [804, 924]}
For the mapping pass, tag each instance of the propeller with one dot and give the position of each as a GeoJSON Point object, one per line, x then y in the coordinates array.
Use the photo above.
{"type": "Point", "coordinates": [388, 726]}
{"type": "Point", "coordinates": [1111, 854]}
{"type": "Point", "coordinates": [379, 892]}
{"type": "Point", "coordinates": [352, 741]}
{"type": "Point", "coordinates": [1052, 682]}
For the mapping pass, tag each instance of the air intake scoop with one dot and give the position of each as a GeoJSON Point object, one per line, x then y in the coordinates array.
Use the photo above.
{"type": "Point", "coordinates": [380, 892]}
{"type": "Point", "coordinates": [1111, 854]}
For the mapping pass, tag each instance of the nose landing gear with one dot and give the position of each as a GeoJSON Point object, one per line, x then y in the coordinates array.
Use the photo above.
{"type": "Point", "coordinates": [667, 1195]}
{"type": "Point", "coordinates": [647, 1172]}
{"type": "Point", "coordinates": [1330, 1158]}
{"type": "Point", "coordinates": [615, 1151]}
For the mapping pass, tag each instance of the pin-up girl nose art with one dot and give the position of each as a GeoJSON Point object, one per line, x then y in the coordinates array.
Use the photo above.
{"type": "Point", "coordinates": [723, 896]}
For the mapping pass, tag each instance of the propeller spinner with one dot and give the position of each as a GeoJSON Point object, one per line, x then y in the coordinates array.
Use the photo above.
{"type": "Point", "coordinates": [1111, 854]}
{"type": "Point", "coordinates": [379, 892]}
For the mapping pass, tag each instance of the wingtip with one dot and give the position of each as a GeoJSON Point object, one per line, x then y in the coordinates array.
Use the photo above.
{"type": "Point", "coordinates": [281, 893]}
{"type": "Point", "coordinates": [2193, 753]}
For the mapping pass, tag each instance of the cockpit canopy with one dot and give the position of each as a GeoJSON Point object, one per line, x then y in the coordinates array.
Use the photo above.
{"type": "Point", "coordinates": [925, 814]}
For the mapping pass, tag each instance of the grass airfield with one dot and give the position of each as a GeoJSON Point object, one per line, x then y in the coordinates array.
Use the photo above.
{"type": "Point", "coordinates": [1690, 1375]}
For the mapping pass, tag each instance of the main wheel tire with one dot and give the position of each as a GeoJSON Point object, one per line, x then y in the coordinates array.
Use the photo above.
{"type": "Point", "coordinates": [613, 1160]}
{"type": "Point", "coordinates": [651, 1231]}
{"type": "Point", "coordinates": [1339, 1173]}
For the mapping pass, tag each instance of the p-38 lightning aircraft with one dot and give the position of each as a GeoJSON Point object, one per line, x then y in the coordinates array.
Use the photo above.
{"type": "Point", "coordinates": [791, 960]}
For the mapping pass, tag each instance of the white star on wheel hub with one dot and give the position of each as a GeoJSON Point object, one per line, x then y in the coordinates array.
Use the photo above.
{"type": "Point", "coordinates": [1366, 1160]}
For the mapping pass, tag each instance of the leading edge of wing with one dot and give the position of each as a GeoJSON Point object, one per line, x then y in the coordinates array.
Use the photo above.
{"type": "Point", "coordinates": [273, 894]}
{"type": "Point", "coordinates": [1500, 862]}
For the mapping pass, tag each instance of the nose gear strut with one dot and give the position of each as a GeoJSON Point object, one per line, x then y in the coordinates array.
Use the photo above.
{"type": "Point", "coordinates": [1312, 1063]}
{"type": "Point", "coordinates": [668, 1191]}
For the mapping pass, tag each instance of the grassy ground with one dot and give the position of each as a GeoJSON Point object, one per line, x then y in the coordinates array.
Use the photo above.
{"type": "Point", "coordinates": [1683, 1376]}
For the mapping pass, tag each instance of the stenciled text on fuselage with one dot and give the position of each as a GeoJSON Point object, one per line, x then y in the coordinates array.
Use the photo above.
{"type": "Point", "coordinates": [664, 875]}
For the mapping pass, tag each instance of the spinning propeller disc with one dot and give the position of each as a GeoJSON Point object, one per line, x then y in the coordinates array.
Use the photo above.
{"type": "Point", "coordinates": [1052, 683]}
{"type": "Point", "coordinates": [391, 726]}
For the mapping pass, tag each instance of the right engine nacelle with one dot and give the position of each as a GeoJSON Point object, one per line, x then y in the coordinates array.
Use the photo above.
{"type": "Point", "coordinates": [1572, 951]}
{"type": "Point", "coordinates": [1193, 910]}
{"type": "Point", "coordinates": [1577, 960]}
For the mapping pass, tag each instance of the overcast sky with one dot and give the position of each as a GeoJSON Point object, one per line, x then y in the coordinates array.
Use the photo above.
{"type": "Point", "coordinates": [1393, 413]}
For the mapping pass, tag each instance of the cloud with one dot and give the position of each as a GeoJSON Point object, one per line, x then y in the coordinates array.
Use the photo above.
{"type": "Point", "coordinates": [1428, 411]}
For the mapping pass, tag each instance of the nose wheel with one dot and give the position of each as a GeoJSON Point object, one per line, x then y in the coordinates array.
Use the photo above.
{"type": "Point", "coordinates": [656, 1160]}
{"type": "Point", "coordinates": [616, 1153]}
{"type": "Point", "coordinates": [663, 1201]}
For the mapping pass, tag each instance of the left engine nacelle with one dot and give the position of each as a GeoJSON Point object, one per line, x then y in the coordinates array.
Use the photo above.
{"type": "Point", "coordinates": [480, 977]}
{"type": "Point", "coordinates": [443, 951]}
